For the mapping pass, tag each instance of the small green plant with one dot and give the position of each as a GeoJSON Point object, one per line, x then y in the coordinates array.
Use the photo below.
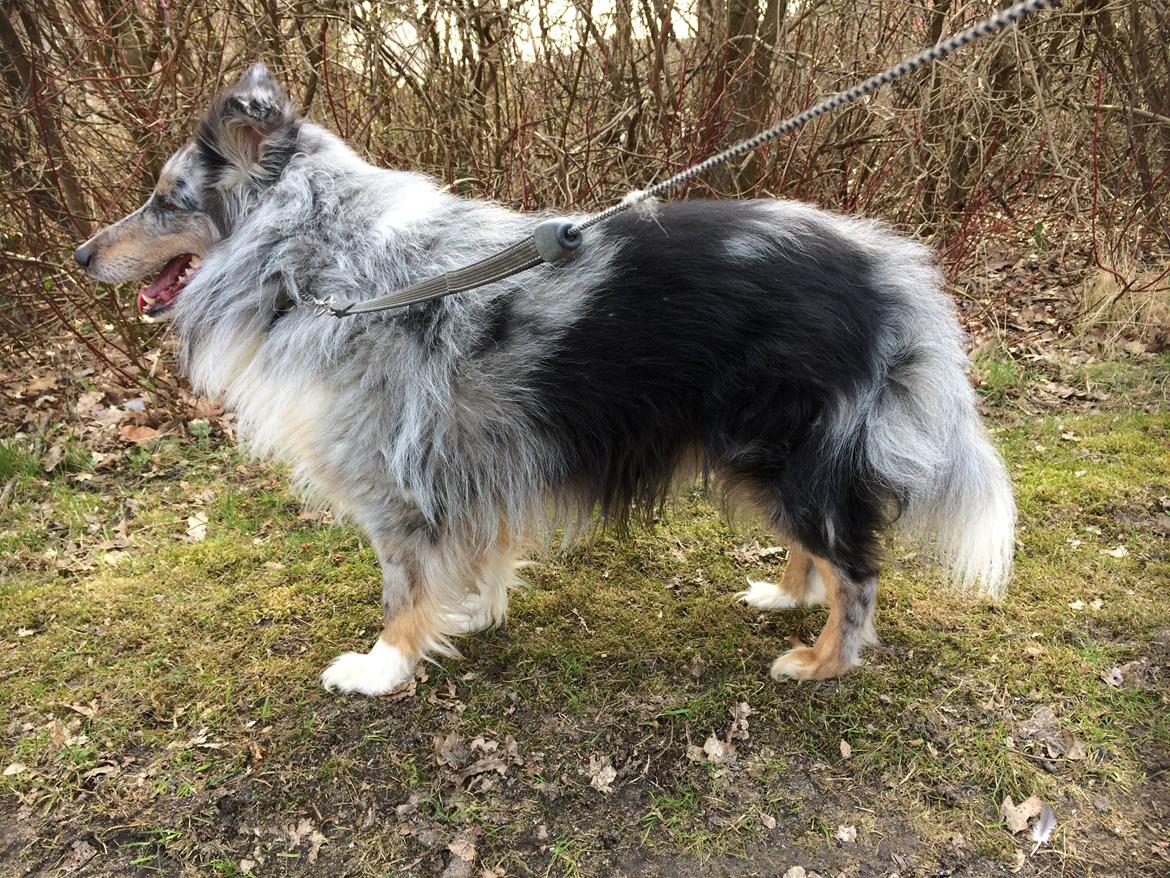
{"type": "Point", "coordinates": [998, 376]}
{"type": "Point", "coordinates": [200, 429]}
{"type": "Point", "coordinates": [16, 462]}
{"type": "Point", "coordinates": [1039, 239]}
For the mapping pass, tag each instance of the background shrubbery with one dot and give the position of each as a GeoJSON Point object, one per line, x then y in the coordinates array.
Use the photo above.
{"type": "Point", "coordinates": [1054, 137]}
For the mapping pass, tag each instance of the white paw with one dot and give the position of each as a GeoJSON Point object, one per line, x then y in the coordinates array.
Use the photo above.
{"type": "Point", "coordinates": [794, 664]}
{"type": "Point", "coordinates": [766, 596]}
{"type": "Point", "coordinates": [383, 669]}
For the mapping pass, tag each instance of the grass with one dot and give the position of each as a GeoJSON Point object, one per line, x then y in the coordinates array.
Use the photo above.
{"type": "Point", "coordinates": [161, 695]}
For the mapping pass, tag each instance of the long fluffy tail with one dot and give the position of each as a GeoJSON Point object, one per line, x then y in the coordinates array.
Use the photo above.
{"type": "Point", "coordinates": [925, 439]}
{"type": "Point", "coordinates": [968, 516]}
{"type": "Point", "coordinates": [958, 503]}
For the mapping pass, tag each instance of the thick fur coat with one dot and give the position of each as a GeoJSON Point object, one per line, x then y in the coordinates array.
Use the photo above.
{"type": "Point", "coordinates": [806, 362]}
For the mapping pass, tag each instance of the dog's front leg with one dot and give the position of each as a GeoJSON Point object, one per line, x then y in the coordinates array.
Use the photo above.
{"type": "Point", "coordinates": [409, 628]}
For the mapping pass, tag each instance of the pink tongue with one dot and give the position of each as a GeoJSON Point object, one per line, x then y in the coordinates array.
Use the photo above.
{"type": "Point", "coordinates": [169, 274]}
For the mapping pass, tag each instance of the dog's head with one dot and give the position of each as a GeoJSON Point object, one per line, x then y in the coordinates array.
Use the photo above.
{"type": "Point", "coordinates": [204, 191]}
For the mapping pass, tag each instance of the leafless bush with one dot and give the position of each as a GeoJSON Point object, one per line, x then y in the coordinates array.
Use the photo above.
{"type": "Point", "coordinates": [1057, 132]}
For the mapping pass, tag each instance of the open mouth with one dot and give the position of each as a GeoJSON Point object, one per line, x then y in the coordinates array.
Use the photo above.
{"type": "Point", "coordinates": [155, 299]}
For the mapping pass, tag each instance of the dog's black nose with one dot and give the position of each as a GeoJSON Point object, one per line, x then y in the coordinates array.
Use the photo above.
{"type": "Point", "coordinates": [83, 255]}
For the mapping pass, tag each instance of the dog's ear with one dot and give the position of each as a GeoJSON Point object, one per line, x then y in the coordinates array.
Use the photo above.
{"type": "Point", "coordinates": [258, 102]}
{"type": "Point", "coordinates": [251, 120]}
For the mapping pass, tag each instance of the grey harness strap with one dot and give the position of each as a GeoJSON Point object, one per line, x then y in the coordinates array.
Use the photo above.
{"type": "Point", "coordinates": [554, 240]}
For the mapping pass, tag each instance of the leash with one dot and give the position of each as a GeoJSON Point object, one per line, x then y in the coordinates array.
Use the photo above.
{"type": "Point", "coordinates": [554, 240]}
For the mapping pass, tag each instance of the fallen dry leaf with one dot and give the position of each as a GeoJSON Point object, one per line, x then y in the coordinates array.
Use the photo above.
{"type": "Point", "coordinates": [482, 766]}
{"type": "Point", "coordinates": [407, 689]}
{"type": "Point", "coordinates": [463, 854]}
{"type": "Point", "coordinates": [58, 735]}
{"type": "Point", "coordinates": [846, 834]}
{"type": "Point", "coordinates": [298, 831]}
{"type": "Point", "coordinates": [138, 435]}
{"type": "Point", "coordinates": [846, 750]}
{"type": "Point", "coordinates": [768, 820]}
{"type": "Point", "coordinates": [719, 752]}
{"type": "Point", "coordinates": [463, 846]}
{"type": "Point", "coordinates": [80, 853]}
{"type": "Point", "coordinates": [53, 457]}
{"type": "Point", "coordinates": [602, 774]}
{"type": "Point", "coordinates": [451, 750]}
{"type": "Point", "coordinates": [89, 403]}
{"type": "Point", "coordinates": [1017, 816]}
{"type": "Point", "coordinates": [739, 722]}
{"type": "Point", "coordinates": [753, 553]}
{"type": "Point", "coordinates": [89, 711]}
{"type": "Point", "coordinates": [316, 839]}
{"type": "Point", "coordinates": [40, 383]}
{"type": "Point", "coordinates": [197, 527]}
{"type": "Point", "coordinates": [15, 768]}
{"type": "Point", "coordinates": [1044, 728]}
{"type": "Point", "coordinates": [203, 408]}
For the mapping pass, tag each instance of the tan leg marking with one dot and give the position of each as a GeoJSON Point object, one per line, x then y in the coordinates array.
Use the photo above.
{"type": "Point", "coordinates": [799, 586]}
{"type": "Point", "coordinates": [411, 631]}
{"type": "Point", "coordinates": [832, 654]}
{"type": "Point", "coordinates": [798, 579]}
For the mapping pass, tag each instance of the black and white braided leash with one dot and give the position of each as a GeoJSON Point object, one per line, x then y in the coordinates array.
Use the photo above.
{"type": "Point", "coordinates": [555, 240]}
{"type": "Point", "coordinates": [1003, 19]}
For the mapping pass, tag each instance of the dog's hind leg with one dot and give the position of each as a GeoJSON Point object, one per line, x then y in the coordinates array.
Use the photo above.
{"type": "Point", "coordinates": [848, 629]}
{"type": "Point", "coordinates": [800, 586]}
{"type": "Point", "coordinates": [834, 511]}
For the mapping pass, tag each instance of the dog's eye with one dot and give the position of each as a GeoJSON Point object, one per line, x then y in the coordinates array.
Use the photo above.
{"type": "Point", "coordinates": [164, 205]}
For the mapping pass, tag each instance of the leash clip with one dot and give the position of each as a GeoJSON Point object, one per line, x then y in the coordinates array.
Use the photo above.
{"type": "Point", "coordinates": [555, 239]}
{"type": "Point", "coordinates": [331, 307]}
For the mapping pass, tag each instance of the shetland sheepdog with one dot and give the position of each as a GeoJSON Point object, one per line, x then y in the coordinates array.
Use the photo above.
{"type": "Point", "coordinates": [806, 364]}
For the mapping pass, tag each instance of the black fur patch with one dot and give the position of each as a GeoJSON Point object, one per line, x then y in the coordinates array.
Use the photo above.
{"type": "Point", "coordinates": [424, 322]}
{"type": "Point", "coordinates": [279, 149]}
{"type": "Point", "coordinates": [690, 347]}
{"type": "Point", "coordinates": [497, 325]}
